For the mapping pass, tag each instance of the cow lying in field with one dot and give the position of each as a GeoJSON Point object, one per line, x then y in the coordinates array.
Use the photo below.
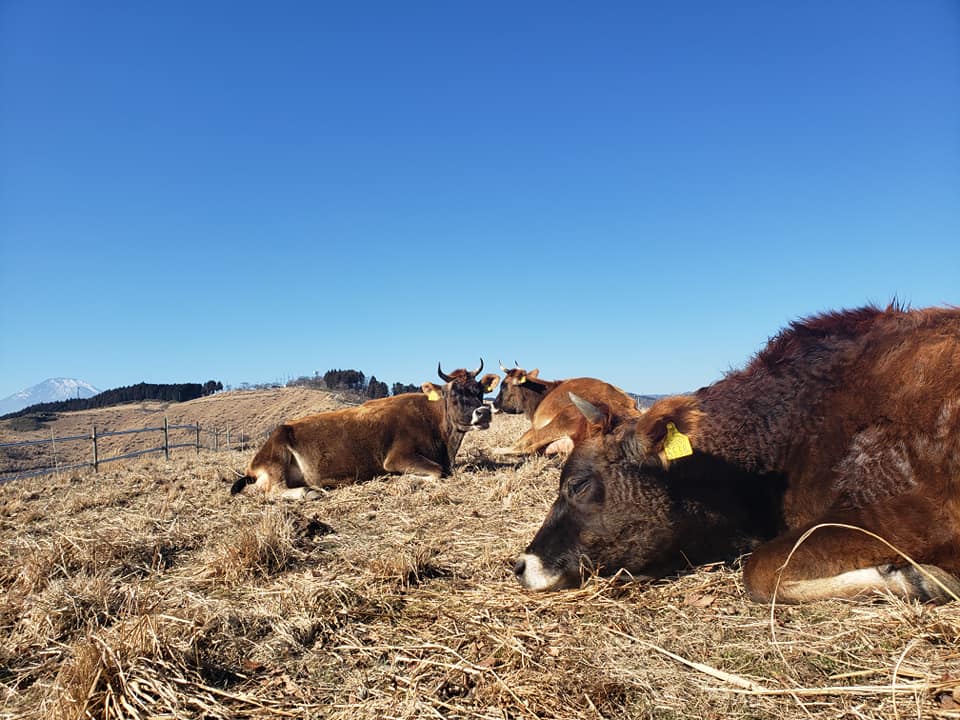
{"type": "Point", "coordinates": [409, 433]}
{"type": "Point", "coordinates": [845, 420]}
{"type": "Point", "coordinates": [556, 424]}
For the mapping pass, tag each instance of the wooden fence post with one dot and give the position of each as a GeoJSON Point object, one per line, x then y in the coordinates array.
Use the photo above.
{"type": "Point", "coordinates": [166, 438]}
{"type": "Point", "coordinates": [96, 455]}
{"type": "Point", "coordinates": [198, 437]}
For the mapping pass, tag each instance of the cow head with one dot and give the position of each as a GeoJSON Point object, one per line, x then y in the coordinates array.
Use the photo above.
{"type": "Point", "coordinates": [462, 396]}
{"type": "Point", "coordinates": [617, 506]}
{"type": "Point", "coordinates": [517, 383]}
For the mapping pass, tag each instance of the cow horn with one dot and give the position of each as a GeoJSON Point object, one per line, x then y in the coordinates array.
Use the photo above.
{"type": "Point", "coordinates": [502, 368]}
{"type": "Point", "coordinates": [479, 369]}
{"type": "Point", "coordinates": [443, 375]}
{"type": "Point", "coordinates": [590, 412]}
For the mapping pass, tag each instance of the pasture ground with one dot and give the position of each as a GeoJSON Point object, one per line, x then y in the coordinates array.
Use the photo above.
{"type": "Point", "coordinates": [148, 591]}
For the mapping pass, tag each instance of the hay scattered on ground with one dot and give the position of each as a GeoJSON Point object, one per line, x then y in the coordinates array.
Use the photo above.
{"type": "Point", "coordinates": [148, 591]}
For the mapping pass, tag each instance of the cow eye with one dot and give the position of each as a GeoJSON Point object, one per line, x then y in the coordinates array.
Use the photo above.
{"type": "Point", "coordinates": [575, 487]}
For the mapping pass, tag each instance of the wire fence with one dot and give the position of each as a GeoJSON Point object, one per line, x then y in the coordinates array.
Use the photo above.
{"type": "Point", "coordinates": [201, 439]}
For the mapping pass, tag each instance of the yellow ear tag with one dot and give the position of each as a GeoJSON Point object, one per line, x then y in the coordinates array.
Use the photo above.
{"type": "Point", "coordinates": [433, 396]}
{"type": "Point", "coordinates": [522, 380]}
{"type": "Point", "coordinates": [676, 444]}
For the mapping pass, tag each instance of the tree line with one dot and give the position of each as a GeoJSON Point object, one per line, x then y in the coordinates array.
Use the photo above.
{"type": "Point", "coordinates": [176, 392]}
{"type": "Point", "coordinates": [353, 381]}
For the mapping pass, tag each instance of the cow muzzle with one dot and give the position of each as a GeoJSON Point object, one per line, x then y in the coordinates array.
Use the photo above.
{"type": "Point", "coordinates": [480, 420]}
{"type": "Point", "coordinates": [531, 573]}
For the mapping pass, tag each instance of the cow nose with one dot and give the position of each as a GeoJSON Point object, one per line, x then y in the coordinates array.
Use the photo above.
{"type": "Point", "coordinates": [519, 568]}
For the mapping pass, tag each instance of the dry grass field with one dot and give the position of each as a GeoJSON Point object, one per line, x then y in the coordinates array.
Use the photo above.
{"type": "Point", "coordinates": [147, 591]}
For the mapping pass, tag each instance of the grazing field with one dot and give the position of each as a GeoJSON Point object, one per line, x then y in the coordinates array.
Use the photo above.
{"type": "Point", "coordinates": [148, 591]}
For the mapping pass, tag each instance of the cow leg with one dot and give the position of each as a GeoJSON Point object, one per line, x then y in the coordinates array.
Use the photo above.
{"type": "Point", "coordinates": [533, 441]}
{"type": "Point", "coordinates": [299, 493]}
{"type": "Point", "coordinates": [284, 480]}
{"type": "Point", "coordinates": [563, 446]}
{"type": "Point", "coordinates": [836, 562]}
{"type": "Point", "coordinates": [557, 436]}
{"type": "Point", "coordinates": [400, 462]}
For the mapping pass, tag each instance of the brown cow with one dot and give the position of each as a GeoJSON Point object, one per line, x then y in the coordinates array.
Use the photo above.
{"type": "Point", "coordinates": [555, 421]}
{"type": "Point", "coordinates": [409, 433]}
{"type": "Point", "coordinates": [844, 419]}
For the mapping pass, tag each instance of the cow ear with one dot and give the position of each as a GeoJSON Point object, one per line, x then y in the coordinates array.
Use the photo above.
{"type": "Point", "coordinates": [533, 374]}
{"type": "Point", "coordinates": [591, 412]}
{"type": "Point", "coordinates": [432, 392]}
{"type": "Point", "coordinates": [489, 381]}
{"type": "Point", "coordinates": [669, 428]}
{"type": "Point", "coordinates": [600, 418]}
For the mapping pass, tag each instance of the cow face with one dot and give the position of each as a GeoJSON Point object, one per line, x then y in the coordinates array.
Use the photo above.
{"type": "Point", "coordinates": [615, 507]}
{"type": "Point", "coordinates": [462, 396]}
{"type": "Point", "coordinates": [515, 383]}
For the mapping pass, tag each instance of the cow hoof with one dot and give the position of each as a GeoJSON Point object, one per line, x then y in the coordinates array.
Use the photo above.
{"type": "Point", "coordinates": [928, 583]}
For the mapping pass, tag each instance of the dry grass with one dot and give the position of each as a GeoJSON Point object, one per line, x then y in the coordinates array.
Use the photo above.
{"type": "Point", "coordinates": [148, 591]}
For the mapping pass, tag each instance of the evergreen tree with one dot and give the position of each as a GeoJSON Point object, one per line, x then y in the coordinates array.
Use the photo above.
{"type": "Point", "coordinates": [376, 388]}
{"type": "Point", "coordinates": [399, 388]}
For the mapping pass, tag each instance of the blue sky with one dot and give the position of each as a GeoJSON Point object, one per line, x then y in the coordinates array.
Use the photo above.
{"type": "Point", "coordinates": [635, 191]}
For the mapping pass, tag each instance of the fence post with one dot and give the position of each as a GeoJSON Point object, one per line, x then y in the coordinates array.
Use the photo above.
{"type": "Point", "coordinates": [96, 455]}
{"type": "Point", "coordinates": [53, 445]}
{"type": "Point", "coordinates": [166, 438]}
{"type": "Point", "coordinates": [198, 437]}
{"type": "Point", "coordinates": [216, 440]}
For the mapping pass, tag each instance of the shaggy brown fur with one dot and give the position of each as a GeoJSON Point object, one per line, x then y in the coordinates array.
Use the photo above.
{"type": "Point", "coordinates": [849, 418]}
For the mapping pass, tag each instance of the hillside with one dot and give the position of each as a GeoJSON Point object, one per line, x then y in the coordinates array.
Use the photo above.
{"type": "Point", "coordinates": [245, 414]}
{"type": "Point", "coordinates": [147, 590]}
{"type": "Point", "coordinates": [255, 411]}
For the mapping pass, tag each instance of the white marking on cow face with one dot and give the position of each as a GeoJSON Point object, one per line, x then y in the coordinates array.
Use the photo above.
{"type": "Point", "coordinates": [480, 420]}
{"type": "Point", "coordinates": [533, 575]}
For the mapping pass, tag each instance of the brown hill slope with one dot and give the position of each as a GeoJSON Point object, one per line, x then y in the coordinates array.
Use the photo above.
{"type": "Point", "coordinates": [246, 414]}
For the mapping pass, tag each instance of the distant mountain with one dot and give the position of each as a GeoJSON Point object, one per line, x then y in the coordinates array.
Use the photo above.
{"type": "Point", "coordinates": [52, 390]}
{"type": "Point", "coordinates": [645, 401]}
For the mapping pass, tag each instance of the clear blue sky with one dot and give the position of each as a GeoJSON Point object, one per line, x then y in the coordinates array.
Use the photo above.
{"type": "Point", "coordinates": [643, 192]}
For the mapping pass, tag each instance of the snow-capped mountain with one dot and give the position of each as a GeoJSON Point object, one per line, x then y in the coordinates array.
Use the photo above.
{"type": "Point", "coordinates": [50, 390]}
